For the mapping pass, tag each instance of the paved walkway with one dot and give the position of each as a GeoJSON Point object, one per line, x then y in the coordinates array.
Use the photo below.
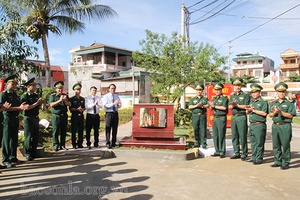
{"type": "Point", "coordinates": [68, 176]}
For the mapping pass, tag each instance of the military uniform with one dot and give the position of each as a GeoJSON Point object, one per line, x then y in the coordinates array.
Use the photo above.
{"type": "Point", "coordinates": [258, 127]}
{"type": "Point", "coordinates": [59, 119]}
{"type": "Point", "coordinates": [10, 125]}
{"type": "Point", "coordinates": [77, 119]}
{"type": "Point", "coordinates": [31, 122]}
{"type": "Point", "coordinates": [199, 119]}
{"type": "Point", "coordinates": [219, 123]}
{"type": "Point", "coordinates": [282, 129]}
{"type": "Point", "coordinates": [239, 123]}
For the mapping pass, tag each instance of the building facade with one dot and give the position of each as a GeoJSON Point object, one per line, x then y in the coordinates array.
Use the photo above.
{"type": "Point", "coordinates": [100, 65]}
{"type": "Point", "coordinates": [290, 64]}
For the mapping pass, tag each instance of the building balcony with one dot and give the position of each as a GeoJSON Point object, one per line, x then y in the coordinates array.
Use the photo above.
{"type": "Point", "coordinates": [97, 68]}
{"type": "Point", "coordinates": [243, 66]}
{"type": "Point", "coordinates": [289, 66]}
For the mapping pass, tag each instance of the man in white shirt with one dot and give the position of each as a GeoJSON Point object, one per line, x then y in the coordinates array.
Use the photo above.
{"type": "Point", "coordinates": [112, 103]}
{"type": "Point", "coordinates": [93, 104]}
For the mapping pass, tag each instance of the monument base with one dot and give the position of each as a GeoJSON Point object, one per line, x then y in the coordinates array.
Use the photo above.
{"type": "Point", "coordinates": [153, 143]}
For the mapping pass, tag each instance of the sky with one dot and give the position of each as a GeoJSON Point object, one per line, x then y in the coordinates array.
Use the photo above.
{"type": "Point", "coordinates": [268, 27]}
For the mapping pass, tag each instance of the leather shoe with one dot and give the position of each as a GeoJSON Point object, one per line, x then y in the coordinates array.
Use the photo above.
{"type": "Point", "coordinates": [284, 167]}
{"type": "Point", "coordinates": [222, 156]}
{"type": "Point", "coordinates": [215, 155]}
{"type": "Point", "coordinates": [275, 165]}
{"type": "Point", "coordinates": [235, 157]}
{"type": "Point", "coordinates": [29, 158]}
{"type": "Point", "coordinates": [257, 162]}
{"type": "Point", "coordinates": [3, 166]}
{"type": "Point", "coordinates": [249, 160]}
{"type": "Point", "coordinates": [8, 164]}
{"type": "Point", "coordinates": [80, 147]}
{"type": "Point", "coordinates": [63, 148]}
{"type": "Point", "coordinates": [243, 158]}
{"type": "Point", "coordinates": [89, 147]}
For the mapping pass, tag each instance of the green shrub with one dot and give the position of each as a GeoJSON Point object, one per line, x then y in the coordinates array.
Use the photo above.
{"type": "Point", "coordinates": [182, 117]}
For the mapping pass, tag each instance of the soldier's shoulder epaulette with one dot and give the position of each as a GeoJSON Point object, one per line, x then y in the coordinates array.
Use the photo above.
{"type": "Point", "coordinates": [53, 94]}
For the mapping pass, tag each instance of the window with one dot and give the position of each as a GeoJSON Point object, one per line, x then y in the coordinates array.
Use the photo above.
{"type": "Point", "coordinates": [283, 74]}
{"type": "Point", "coordinates": [244, 62]}
{"type": "Point", "coordinates": [292, 72]}
{"type": "Point", "coordinates": [259, 61]}
{"type": "Point", "coordinates": [258, 73]}
{"type": "Point", "coordinates": [293, 61]}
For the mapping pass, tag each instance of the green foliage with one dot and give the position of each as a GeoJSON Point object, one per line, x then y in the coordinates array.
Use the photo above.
{"type": "Point", "coordinates": [246, 79]}
{"type": "Point", "coordinates": [172, 68]}
{"type": "Point", "coordinates": [295, 78]}
{"type": "Point", "coordinates": [182, 117]}
{"type": "Point", "coordinates": [13, 50]}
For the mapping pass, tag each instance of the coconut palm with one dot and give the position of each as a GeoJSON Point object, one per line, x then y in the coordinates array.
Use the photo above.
{"type": "Point", "coordinates": [56, 16]}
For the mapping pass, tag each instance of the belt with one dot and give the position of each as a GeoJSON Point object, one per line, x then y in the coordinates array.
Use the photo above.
{"type": "Point", "coordinates": [281, 123]}
{"type": "Point", "coordinates": [93, 114]}
{"type": "Point", "coordinates": [59, 114]}
{"type": "Point", "coordinates": [76, 114]}
{"type": "Point", "coordinates": [112, 112]}
{"type": "Point", "coordinates": [239, 114]}
{"type": "Point", "coordinates": [199, 113]}
{"type": "Point", "coordinates": [254, 123]}
{"type": "Point", "coordinates": [35, 116]}
{"type": "Point", "coordinates": [217, 116]}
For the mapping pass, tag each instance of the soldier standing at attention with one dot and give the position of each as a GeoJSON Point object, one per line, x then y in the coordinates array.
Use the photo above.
{"type": "Point", "coordinates": [31, 119]}
{"type": "Point", "coordinates": [198, 105]}
{"type": "Point", "coordinates": [282, 113]}
{"type": "Point", "coordinates": [219, 105]}
{"type": "Point", "coordinates": [239, 124]}
{"type": "Point", "coordinates": [258, 111]}
{"type": "Point", "coordinates": [11, 121]}
{"type": "Point", "coordinates": [59, 103]}
{"type": "Point", "coordinates": [77, 120]}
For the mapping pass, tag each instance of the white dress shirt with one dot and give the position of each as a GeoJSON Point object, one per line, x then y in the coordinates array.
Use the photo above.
{"type": "Point", "coordinates": [108, 102]}
{"type": "Point", "coordinates": [89, 104]}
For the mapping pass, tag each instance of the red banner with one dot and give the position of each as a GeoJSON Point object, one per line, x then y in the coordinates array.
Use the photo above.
{"type": "Point", "coordinates": [1, 84]}
{"type": "Point", "coordinates": [298, 101]}
{"type": "Point", "coordinates": [227, 90]}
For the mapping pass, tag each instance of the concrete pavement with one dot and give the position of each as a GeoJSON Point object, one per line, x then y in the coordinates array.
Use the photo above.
{"type": "Point", "coordinates": [140, 175]}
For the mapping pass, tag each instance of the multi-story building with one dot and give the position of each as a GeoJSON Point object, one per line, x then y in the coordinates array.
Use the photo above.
{"type": "Point", "coordinates": [290, 64]}
{"type": "Point", "coordinates": [255, 65]}
{"type": "Point", "coordinates": [100, 65]}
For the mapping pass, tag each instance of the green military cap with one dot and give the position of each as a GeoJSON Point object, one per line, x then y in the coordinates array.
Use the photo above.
{"type": "Point", "coordinates": [255, 87]}
{"type": "Point", "coordinates": [218, 86]}
{"type": "Point", "coordinates": [59, 84]}
{"type": "Point", "coordinates": [77, 86]}
{"type": "Point", "coordinates": [281, 87]}
{"type": "Point", "coordinates": [11, 78]}
{"type": "Point", "coordinates": [30, 82]}
{"type": "Point", "coordinates": [199, 87]}
{"type": "Point", "coordinates": [237, 81]}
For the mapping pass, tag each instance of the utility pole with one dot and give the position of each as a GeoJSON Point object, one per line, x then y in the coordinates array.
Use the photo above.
{"type": "Point", "coordinates": [182, 98]}
{"type": "Point", "coordinates": [228, 61]}
{"type": "Point", "coordinates": [133, 88]}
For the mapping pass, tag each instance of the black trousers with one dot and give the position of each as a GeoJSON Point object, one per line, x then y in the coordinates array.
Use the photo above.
{"type": "Point", "coordinates": [92, 122]}
{"type": "Point", "coordinates": [112, 122]}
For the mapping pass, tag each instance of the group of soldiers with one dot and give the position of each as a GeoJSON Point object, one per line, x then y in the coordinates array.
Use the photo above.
{"type": "Point", "coordinates": [29, 104]}
{"type": "Point", "coordinates": [243, 106]}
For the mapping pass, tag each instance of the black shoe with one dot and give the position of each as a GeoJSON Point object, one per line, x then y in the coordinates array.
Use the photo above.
{"type": "Point", "coordinates": [284, 167]}
{"type": "Point", "coordinates": [80, 147]}
{"type": "Point", "coordinates": [63, 148]}
{"type": "Point", "coordinates": [222, 156]}
{"type": "Point", "coordinates": [249, 160]}
{"type": "Point", "coordinates": [29, 158]}
{"type": "Point", "coordinates": [17, 161]}
{"type": "Point", "coordinates": [215, 155]}
{"type": "Point", "coordinates": [74, 147]}
{"type": "Point", "coordinates": [257, 162]}
{"type": "Point", "coordinates": [235, 157]}
{"type": "Point", "coordinates": [96, 146]}
{"type": "Point", "coordinates": [56, 149]}
{"type": "Point", "coordinates": [243, 158]}
{"type": "Point", "coordinates": [89, 147]}
{"type": "Point", "coordinates": [8, 164]}
{"type": "Point", "coordinates": [108, 145]}
{"type": "Point", "coordinates": [3, 166]}
{"type": "Point", "coordinates": [275, 165]}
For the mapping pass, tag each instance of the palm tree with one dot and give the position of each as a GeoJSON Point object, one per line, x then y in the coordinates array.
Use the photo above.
{"type": "Point", "coordinates": [56, 16]}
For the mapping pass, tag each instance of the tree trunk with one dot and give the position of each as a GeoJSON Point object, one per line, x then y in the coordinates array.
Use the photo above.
{"type": "Point", "coordinates": [47, 60]}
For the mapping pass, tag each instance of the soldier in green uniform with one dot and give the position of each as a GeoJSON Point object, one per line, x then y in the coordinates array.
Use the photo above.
{"type": "Point", "coordinates": [219, 105]}
{"type": "Point", "coordinates": [31, 119]}
{"type": "Point", "coordinates": [239, 124]}
{"type": "Point", "coordinates": [198, 105]}
{"type": "Point", "coordinates": [77, 120]}
{"type": "Point", "coordinates": [282, 112]}
{"type": "Point", "coordinates": [59, 103]}
{"type": "Point", "coordinates": [11, 121]}
{"type": "Point", "coordinates": [258, 111]}
{"type": "Point", "coordinates": [2, 107]}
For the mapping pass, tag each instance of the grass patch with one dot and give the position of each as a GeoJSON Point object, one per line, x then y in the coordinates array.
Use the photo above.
{"type": "Point", "coordinates": [296, 120]}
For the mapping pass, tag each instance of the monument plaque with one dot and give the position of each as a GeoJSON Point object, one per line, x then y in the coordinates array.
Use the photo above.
{"type": "Point", "coordinates": [153, 127]}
